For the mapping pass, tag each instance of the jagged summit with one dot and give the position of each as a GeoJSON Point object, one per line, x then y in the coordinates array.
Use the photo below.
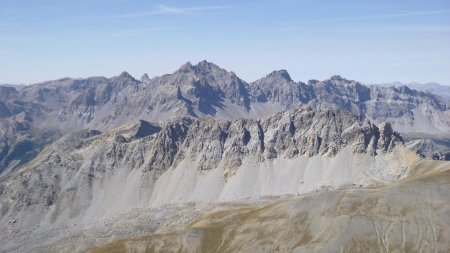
{"type": "Point", "coordinates": [125, 77]}
{"type": "Point", "coordinates": [138, 129]}
{"type": "Point", "coordinates": [205, 65]}
{"type": "Point", "coordinates": [186, 67]}
{"type": "Point", "coordinates": [205, 89]}
{"type": "Point", "coordinates": [145, 78]}
{"type": "Point", "coordinates": [313, 81]}
{"type": "Point", "coordinates": [405, 89]}
{"type": "Point", "coordinates": [125, 74]}
{"type": "Point", "coordinates": [280, 74]}
{"type": "Point", "coordinates": [202, 67]}
{"type": "Point", "coordinates": [337, 78]}
{"type": "Point", "coordinates": [441, 90]}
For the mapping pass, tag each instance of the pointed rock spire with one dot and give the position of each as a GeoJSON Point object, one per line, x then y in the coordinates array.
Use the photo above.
{"type": "Point", "coordinates": [145, 78]}
{"type": "Point", "coordinates": [124, 77]}
{"type": "Point", "coordinates": [125, 74]}
{"type": "Point", "coordinates": [337, 78]}
{"type": "Point", "coordinates": [186, 67]}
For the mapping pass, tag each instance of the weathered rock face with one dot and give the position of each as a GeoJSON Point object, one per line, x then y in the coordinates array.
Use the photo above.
{"type": "Point", "coordinates": [278, 87]}
{"type": "Point", "coordinates": [338, 92]}
{"type": "Point", "coordinates": [435, 147]}
{"type": "Point", "coordinates": [408, 110]}
{"type": "Point", "coordinates": [79, 174]}
{"type": "Point", "coordinates": [20, 141]}
{"type": "Point", "coordinates": [434, 88]}
{"type": "Point", "coordinates": [286, 135]}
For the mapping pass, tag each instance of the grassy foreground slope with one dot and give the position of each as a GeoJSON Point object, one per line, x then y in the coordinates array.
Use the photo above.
{"type": "Point", "coordinates": [408, 216]}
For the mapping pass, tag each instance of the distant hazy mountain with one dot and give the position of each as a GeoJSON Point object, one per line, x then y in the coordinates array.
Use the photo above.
{"type": "Point", "coordinates": [206, 90]}
{"type": "Point", "coordinates": [435, 88]}
{"type": "Point", "coordinates": [16, 86]}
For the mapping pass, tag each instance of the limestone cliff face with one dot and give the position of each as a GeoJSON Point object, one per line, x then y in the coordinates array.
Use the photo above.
{"type": "Point", "coordinates": [289, 134]}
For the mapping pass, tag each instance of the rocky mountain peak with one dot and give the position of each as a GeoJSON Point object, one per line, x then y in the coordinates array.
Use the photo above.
{"type": "Point", "coordinates": [138, 129]}
{"type": "Point", "coordinates": [186, 67]}
{"type": "Point", "coordinates": [125, 76]}
{"type": "Point", "coordinates": [405, 89]}
{"type": "Point", "coordinates": [280, 74]}
{"type": "Point", "coordinates": [203, 68]}
{"type": "Point", "coordinates": [337, 78]}
{"type": "Point", "coordinates": [205, 65]}
{"type": "Point", "coordinates": [145, 78]}
{"type": "Point", "coordinates": [144, 128]}
{"type": "Point", "coordinates": [7, 92]}
{"type": "Point", "coordinates": [313, 82]}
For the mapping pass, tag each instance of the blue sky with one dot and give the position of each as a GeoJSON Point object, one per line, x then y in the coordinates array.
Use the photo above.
{"type": "Point", "coordinates": [369, 41]}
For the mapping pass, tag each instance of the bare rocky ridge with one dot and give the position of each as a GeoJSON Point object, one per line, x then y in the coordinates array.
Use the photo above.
{"type": "Point", "coordinates": [435, 147]}
{"type": "Point", "coordinates": [88, 176]}
{"type": "Point", "coordinates": [278, 87]}
{"type": "Point", "coordinates": [206, 90]}
{"type": "Point", "coordinates": [21, 141]}
{"type": "Point", "coordinates": [434, 88]}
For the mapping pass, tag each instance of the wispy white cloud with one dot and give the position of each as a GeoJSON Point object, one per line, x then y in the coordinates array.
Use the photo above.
{"type": "Point", "coordinates": [164, 9]}
{"type": "Point", "coordinates": [176, 10]}
{"type": "Point", "coordinates": [134, 14]}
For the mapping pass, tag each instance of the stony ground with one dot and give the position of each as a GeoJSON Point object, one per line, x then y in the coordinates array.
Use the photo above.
{"type": "Point", "coordinates": [408, 216]}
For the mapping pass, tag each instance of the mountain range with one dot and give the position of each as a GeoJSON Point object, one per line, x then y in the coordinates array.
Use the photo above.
{"type": "Point", "coordinates": [435, 88]}
{"type": "Point", "coordinates": [90, 177]}
{"type": "Point", "coordinates": [38, 114]}
{"type": "Point", "coordinates": [84, 162]}
{"type": "Point", "coordinates": [207, 90]}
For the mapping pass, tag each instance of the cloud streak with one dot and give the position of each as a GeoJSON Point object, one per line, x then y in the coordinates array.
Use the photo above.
{"type": "Point", "coordinates": [164, 9]}
{"type": "Point", "coordinates": [175, 10]}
